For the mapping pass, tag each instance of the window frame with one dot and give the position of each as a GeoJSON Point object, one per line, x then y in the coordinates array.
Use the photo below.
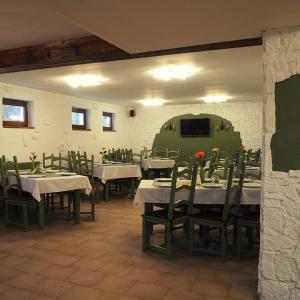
{"type": "Point", "coordinates": [84, 112]}
{"type": "Point", "coordinates": [108, 114]}
{"type": "Point", "coordinates": [16, 124]}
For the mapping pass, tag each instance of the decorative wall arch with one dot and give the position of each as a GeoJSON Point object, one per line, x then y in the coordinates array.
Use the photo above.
{"type": "Point", "coordinates": [226, 139]}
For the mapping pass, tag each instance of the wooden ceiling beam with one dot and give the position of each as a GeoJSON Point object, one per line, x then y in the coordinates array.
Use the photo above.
{"type": "Point", "coordinates": [91, 49]}
{"type": "Point", "coordinates": [69, 52]}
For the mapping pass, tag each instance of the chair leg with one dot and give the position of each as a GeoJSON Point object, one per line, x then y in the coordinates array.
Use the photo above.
{"type": "Point", "coordinates": [191, 239]}
{"type": "Point", "coordinates": [223, 242]}
{"type": "Point", "coordinates": [93, 207]}
{"type": "Point", "coordinates": [7, 214]}
{"type": "Point", "coordinates": [250, 237]}
{"type": "Point", "coordinates": [25, 217]}
{"type": "Point", "coordinates": [145, 235]}
{"type": "Point", "coordinates": [238, 240]}
{"type": "Point", "coordinates": [168, 240]}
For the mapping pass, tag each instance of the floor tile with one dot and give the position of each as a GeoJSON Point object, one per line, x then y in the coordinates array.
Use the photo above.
{"type": "Point", "coordinates": [147, 291]}
{"type": "Point", "coordinates": [52, 287]}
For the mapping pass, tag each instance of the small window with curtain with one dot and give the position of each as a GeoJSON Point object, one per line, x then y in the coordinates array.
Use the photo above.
{"type": "Point", "coordinates": [15, 113]}
{"type": "Point", "coordinates": [107, 121]}
{"type": "Point", "coordinates": [79, 118]}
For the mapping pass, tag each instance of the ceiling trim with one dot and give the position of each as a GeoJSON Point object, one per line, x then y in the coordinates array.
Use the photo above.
{"type": "Point", "coordinates": [92, 49]}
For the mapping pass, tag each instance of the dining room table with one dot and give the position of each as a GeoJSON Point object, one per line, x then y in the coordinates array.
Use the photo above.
{"type": "Point", "coordinates": [50, 182]}
{"type": "Point", "coordinates": [117, 170]}
{"type": "Point", "coordinates": [151, 192]}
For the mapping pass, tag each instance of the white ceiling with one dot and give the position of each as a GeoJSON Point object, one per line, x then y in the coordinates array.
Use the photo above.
{"type": "Point", "coordinates": [26, 23]}
{"type": "Point", "coordinates": [236, 72]}
{"type": "Point", "coordinates": [145, 25]}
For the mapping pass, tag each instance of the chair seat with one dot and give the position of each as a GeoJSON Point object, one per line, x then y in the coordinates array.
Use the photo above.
{"type": "Point", "coordinates": [163, 214]}
{"type": "Point", "coordinates": [249, 216]}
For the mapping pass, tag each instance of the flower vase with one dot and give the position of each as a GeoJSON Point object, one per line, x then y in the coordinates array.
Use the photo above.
{"type": "Point", "coordinates": [202, 174]}
{"type": "Point", "coordinates": [33, 166]}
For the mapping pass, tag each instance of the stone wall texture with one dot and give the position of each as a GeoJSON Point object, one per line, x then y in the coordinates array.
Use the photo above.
{"type": "Point", "coordinates": [245, 117]}
{"type": "Point", "coordinates": [279, 267]}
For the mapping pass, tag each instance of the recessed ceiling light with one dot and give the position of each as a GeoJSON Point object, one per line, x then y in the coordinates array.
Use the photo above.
{"type": "Point", "coordinates": [169, 72]}
{"type": "Point", "coordinates": [153, 101]}
{"type": "Point", "coordinates": [84, 80]}
{"type": "Point", "coordinates": [215, 98]}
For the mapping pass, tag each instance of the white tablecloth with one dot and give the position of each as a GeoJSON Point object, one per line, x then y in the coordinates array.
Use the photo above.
{"type": "Point", "coordinates": [157, 164]}
{"type": "Point", "coordinates": [146, 192]}
{"type": "Point", "coordinates": [45, 185]}
{"type": "Point", "coordinates": [107, 172]}
{"type": "Point", "coordinates": [248, 171]}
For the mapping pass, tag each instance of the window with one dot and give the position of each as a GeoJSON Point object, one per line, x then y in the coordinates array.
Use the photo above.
{"type": "Point", "coordinates": [15, 113]}
{"type": "Point", "coordinates": [107, 121]}
{"type": "Point", "coordinates": [79, 118]}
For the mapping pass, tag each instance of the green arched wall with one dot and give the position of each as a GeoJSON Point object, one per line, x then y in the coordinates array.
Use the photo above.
{"type": "Point", "coordinates": [226, 140]}
{"type": "Point", "coordinates": [285, 144]}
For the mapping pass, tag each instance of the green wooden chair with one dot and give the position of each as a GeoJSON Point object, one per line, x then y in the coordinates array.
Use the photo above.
{"type": "Point", "coordinates": [172, 154]}
{"type": "Point", "coordinates": [210, 219]}
{"type": "Point", "coordinates": [13, 197]}
{"type": "Point", "coordinates": [84, 166]}
{"type": "Point", "coordinates": [245, 217]}
{"type": "Point", "coordinates": [171, 217]}
{"type": "Point", "coordinates": [160, 152]}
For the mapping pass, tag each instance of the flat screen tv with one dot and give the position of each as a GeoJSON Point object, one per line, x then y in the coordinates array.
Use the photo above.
{"type": "Point", "coordinates": [194, 127]}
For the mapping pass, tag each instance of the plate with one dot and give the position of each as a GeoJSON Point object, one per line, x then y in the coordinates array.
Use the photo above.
{"type": "Point", "coordinates": [51, 171]}
{"type": "Point", "coordinates": [165, 158]}
{"type": "Point", "coordinates": [212, 185]}
{"type": "Point", "coordinates": [163, 180]}
{"type": "Point", "coordinates": [245, 180]}
{"type": "Point", "coordinates": [67, 174]}
{"type": "Point", "coordinates": [24, 172]}
{"type": "Point", "coordinates": [162, 184]}
{"type": "Point", "coordinates": [208, 180]}
{"type": "Point", "coordinates": [252, 185]}
{"type": "Point", "coordinates": [252, 168]}
{"type": "Point", "coordinates": [36, 176]}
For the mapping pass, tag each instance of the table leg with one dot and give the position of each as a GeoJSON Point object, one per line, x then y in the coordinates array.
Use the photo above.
{"type": "Point", "coordinates": [77, 206]}
{"type": "Point", "coordinates": [106, 190]}
{"type": "Point", "coordinates": [131, 187]}
{"type": "Point", "coordinates": [41, 212]}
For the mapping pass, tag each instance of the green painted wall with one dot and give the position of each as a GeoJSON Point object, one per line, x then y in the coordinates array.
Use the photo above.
{"type": "Point", "coordinates": [225, 140]}
{"type": "Point", "coordinates": [285, 144]}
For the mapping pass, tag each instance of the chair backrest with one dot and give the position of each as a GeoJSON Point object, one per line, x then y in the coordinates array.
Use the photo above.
{"type": "Point", "coordinates": [83, 165]}
{"type": "Point", "coordinates": [128, 155]}
{"type": "Point", "coordinates": [212, 162]}
{"type": "Point", "coordinates": [235, 206]}
{"type": "Point", "coordinates": [172, 154]}
{"type": "Point", "coordinates": [159, 152]}
{"type": "Point", "coordinates": [10, 168]}
{"type": "Point", "coordinates": [227, 202]}
{"type": "Point", "coordinates": [189, 172]}
{"type": "Point", "coordinates": [47, 161]}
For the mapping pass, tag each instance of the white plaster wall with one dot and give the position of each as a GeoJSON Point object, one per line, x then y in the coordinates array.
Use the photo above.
{"type": "Point", "coordinates": [279, 267]}
{"type": "Point", "coordinates": [245, 117]}
{"type": "Point", "coordinates": [53, 132]}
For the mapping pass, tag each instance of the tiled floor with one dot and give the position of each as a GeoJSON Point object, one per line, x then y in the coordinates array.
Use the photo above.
{"type": "Point", "coordinates": [103, 260]}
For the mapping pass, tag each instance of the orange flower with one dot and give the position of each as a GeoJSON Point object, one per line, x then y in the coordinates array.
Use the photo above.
{"type": "Point", "coordinates": [32, 152]}
{"type": "Point", "coordinates": [200, 154]}
{"type": "Point", "coordinates": [242, 147]}
{"type": "Point", "coordinates": [215, 149]}
{"type": "Point", "coordinates": [103, 148]}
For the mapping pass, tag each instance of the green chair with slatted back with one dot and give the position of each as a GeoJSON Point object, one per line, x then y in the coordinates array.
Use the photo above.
{"type": "Point", "coordinates": [222, 166]}
{"type": "Point", "coordinates": [162, 153]}
{"type": "Point", "coordinates": [13, 196]}
{"type": "Point", "coordinates": [47, 161]}
{"type": "Point", "coordinates": [86, 168]}
{"type": "Point", "coordinates": [173, 216]}
{"type": "Point", "coordinates": [246, 217]}
{"type": "Point", "coordinates": [212, 220]}
{"type": "Point", "coordinates": [172, 154]}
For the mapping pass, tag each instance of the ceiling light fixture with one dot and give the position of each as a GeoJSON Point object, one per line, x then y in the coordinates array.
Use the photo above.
{"type": "Point", "coordinates": [153, 102]}
{"type": "Point", "coordinates": [169, 72]}
{"type": "Point", "coordinates": [215, 98]}
{"type": "Point", "coordinates": [84, 80]}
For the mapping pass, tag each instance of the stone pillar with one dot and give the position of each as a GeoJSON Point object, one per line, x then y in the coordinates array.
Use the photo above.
{"type": "Point", "coordinates": [279, 266]}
